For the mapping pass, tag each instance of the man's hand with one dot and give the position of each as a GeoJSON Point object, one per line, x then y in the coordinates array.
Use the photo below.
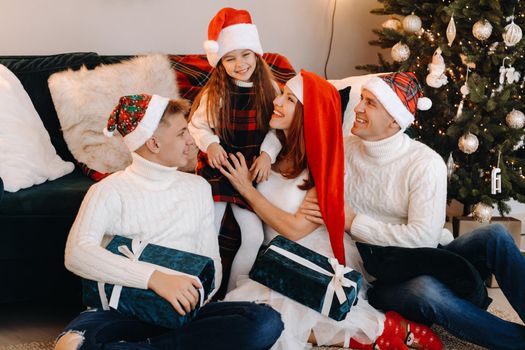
{"type": "Point", "coordinates": [216, 155]}
{"type": "Point", "coordinates": [260, 168]}
{"type": "Point", "coordinates": [180, 291]}
{"type": "Point", "coordinates": [310, 208]}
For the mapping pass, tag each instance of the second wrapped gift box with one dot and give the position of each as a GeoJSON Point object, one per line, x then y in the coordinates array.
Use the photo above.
{"type": "Point", "coordinates": [308, 277]}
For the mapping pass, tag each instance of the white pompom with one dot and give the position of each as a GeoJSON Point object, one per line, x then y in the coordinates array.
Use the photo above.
{"type": "Point", "coordinates": [107, 133]}
{"type": "Point", "coordinates": [211, 46]}
{"type": "Point", "coordinates": [424, 103]}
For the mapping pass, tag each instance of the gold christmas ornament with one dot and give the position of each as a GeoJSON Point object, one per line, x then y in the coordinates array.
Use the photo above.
{"type": "Point", "coordinates": [468, 143]}
{"type": "Point", "coordinates": [482, 29]}
{"type": "Point", "coordinates": [482, 212]}
{"type": "Point", "coordinates": [512, 34]}
{"type": "Point", "coordinates": [400, 52]}
{"type": "Point", "coordinates": [515, 119]}
{"type": "Point", "coordinates": [411, 23]}
{"type": "Point", "coordinates": [392, 23]}
{"type": "Point", "coordinates": [451, 31]}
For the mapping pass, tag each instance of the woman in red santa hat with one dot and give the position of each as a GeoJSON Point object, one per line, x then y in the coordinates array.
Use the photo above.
{"type": "Point", "coordinates": [307, 117]}
{"type": "Point", "coordinates": [231, 114]}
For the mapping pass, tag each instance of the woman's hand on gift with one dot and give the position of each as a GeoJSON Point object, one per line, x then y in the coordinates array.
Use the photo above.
{"type": "Point", "coordinates": [238, 174]}
{"type": "Point", "coordinates": [180, 291]}
{"type": "Point", "coordinates": [216, 155]}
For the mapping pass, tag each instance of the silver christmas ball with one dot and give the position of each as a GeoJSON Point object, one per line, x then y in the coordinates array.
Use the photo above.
{"type": "Point", "coordinates": [515, 119]}
{"type": "Point", "coordinates": [468, 143]}
{"type": "Point", "coordinates": [482, 212]}
{"type": "Point", "coordinates": [392, 23]}
{"type": "Point", "coordinates": [400, 52]}
{"type": "Point", "coordinates": [512, 34]}
{"type": "Point", "coordinates": [411, 23]}
{"type": "Point", "coordinates": [482, 29]}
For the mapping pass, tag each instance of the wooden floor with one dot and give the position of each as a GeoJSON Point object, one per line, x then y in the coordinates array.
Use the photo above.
{"type": "Point", "coordinates": [28, 323]}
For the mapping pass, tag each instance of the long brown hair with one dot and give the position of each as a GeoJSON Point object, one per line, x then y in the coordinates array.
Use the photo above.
{"type": "Point", "coordinates": [294, 148]}
{"type": "Point", "coordinates": [219, 89]}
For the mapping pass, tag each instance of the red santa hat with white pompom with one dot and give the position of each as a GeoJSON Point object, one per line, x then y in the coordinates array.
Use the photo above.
{"type": "Point", "coordinates": [229, 30]}
{"type": "Point", "coordinates": [400, 94]}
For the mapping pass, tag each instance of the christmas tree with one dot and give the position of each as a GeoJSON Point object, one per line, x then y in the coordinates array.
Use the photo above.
{"type": "Point", "coordinates": [468, 56]}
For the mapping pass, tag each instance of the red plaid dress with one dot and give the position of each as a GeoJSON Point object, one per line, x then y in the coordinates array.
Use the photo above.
{"type": "Point", "coordinates": [246, 138]}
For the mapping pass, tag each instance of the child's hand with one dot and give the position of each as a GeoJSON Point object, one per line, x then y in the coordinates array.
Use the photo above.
{"type": "Point", "coordinates": [260, 169]}
{"type": "Point", "coordinates": [216, 155]}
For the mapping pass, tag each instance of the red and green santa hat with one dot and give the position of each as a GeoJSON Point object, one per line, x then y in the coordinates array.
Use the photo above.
{"type": "Point", "coordinates": [324, 150]}
{"type": "Point", "coordinates": [136, 117]}
{"type": "Point", "coordinates": [400, 94]}
{"type": "Point", "coordinates": [229, 30]}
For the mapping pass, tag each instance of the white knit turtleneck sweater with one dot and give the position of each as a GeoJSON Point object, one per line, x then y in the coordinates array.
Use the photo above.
{"type": "Point", "coordinates": [149, 202]}
{"type": "Point", "coordinates": [398, 189]}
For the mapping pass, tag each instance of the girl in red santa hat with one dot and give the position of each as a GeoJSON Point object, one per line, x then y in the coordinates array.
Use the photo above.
{"type": "Point", "coordinates": [231, 114]}
{"type": "Point", "coordinates": [307, 117]}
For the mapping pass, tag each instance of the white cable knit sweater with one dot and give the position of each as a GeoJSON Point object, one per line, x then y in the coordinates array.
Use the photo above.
{"type": "Point", "coordinates": [398, 189]}
{"type": "Point", "coordinates": [147, 201]}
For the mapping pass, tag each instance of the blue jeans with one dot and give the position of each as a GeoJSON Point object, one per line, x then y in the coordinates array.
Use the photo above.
{"type": "Point", "coordinates": [218, 326]}
{"type": "Point", "coordinates": [424, 299]}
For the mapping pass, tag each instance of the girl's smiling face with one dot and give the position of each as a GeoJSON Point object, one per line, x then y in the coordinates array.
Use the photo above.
{"type": "Point", "coordinates": [240, 64]}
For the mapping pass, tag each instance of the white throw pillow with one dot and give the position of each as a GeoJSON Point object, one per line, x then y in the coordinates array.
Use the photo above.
{"type": "Point", "coordinates": [85, 98]}
{"type": "Point", "coordinates": [355, 96]}
{"type": "Point", "coordinates": [27, 156]}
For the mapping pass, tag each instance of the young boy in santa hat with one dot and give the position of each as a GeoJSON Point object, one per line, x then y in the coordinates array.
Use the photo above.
{"type": "Point", "coordinates": [150, 200]}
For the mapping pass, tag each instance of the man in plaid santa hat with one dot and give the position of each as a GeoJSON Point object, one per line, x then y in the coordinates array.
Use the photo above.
{"type": "Point", "coordinates": [395, 194]}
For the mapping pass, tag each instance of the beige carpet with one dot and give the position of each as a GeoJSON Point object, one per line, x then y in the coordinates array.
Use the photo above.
{"type": "Point", "coordinates": [450, 342]}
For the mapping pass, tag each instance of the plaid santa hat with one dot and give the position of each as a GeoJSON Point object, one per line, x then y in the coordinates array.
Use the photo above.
{"type": "Point", "coordinates": [400, 94]}
{"type": "Point", "coordinates": [230, 30]}
{"type": "Point", "coordinates": [136, 118]}
{"type": "Point", "coordinates": [323, 137]}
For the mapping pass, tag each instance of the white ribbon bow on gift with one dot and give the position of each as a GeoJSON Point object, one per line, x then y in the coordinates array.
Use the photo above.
{"type": "Point", "coordinates": [137, 247]}
{"type": "Point", "coordinates": [336, 284]}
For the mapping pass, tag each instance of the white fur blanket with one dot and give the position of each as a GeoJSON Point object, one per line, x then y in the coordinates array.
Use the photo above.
{"type": "Point", "coordinates": [85, 98]}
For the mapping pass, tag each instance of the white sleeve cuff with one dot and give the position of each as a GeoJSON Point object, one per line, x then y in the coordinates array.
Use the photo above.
{"type": "Point", "coordinates": [271, 145]}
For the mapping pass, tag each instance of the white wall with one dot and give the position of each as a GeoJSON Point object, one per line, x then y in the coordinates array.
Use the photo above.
{"type": "Point", "coordinates": [298, 29]}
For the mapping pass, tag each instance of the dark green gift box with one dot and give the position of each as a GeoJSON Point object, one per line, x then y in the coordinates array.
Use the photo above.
{"type": "Point", "coordinates": [145, 304]}
{"type": "Point", "coordinates": [274, 269]}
